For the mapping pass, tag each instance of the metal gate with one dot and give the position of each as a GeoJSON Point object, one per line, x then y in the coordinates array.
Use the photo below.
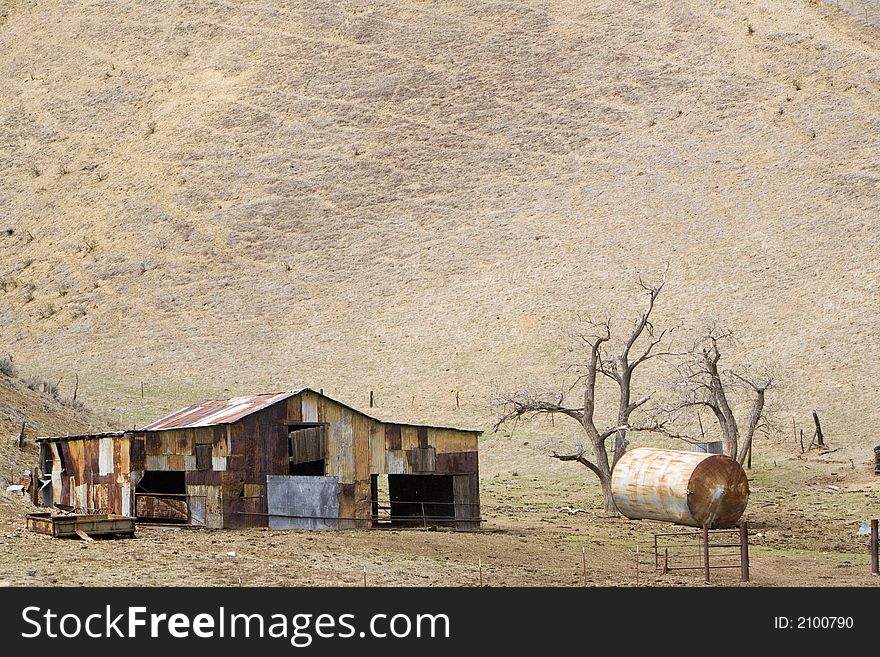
{"type": "Point", "coordinates": [704, 549]}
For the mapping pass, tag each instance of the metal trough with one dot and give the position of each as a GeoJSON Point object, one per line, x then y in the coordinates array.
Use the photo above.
{"type": "Point", "coordinates": [61, 526]}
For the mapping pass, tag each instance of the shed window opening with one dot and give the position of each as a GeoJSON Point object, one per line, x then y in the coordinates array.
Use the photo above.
{"type": "Point", "coordinates": [307, 450]}
{"type": "Point", "coordinates": [160, 496]}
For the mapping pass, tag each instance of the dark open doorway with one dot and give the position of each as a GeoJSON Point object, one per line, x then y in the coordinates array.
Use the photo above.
{"type": "Point", "coordinates": [426, 500]}
{"type": "Point", "coordinates": [160, 496]}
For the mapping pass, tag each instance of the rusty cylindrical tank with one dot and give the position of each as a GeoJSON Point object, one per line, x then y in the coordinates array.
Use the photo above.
{"type": "Point", "coordinates": [687, 488]}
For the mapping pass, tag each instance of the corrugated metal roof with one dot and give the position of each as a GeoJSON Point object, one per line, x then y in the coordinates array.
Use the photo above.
{"type": "Point", "coordinates": [84, 436]}
{"type": "Point", "coordinates": [210, 412]}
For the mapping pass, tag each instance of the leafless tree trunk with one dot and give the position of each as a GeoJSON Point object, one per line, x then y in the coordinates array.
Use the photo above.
{"type": "Point", "coordinates": [707, 388]}
{"type": "Point", "coordinates": [620, 368]}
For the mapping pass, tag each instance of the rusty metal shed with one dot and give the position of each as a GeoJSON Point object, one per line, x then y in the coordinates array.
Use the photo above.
{"type": "Point", "coordinates": [295, 459]}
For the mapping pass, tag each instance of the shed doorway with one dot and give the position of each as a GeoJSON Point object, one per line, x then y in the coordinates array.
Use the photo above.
{"type": "Point", "coordinates": [160, 497]}
{"type": "Point", "coordinates": [421, 500]}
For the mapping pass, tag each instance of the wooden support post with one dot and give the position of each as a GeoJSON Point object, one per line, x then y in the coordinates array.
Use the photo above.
{"type": "Point", "coordinates": [371, 399]}
{"type": "Point", "coordinates": [706, 551]}
{"type": "Point", "coordinates": [665, 561]}
{"type": "Point", "coordinates": [21, 435]}
{"type": "Point", "coordinates": [744, 550]}
{"type": "Point", "coordinates": [142, 389]}
{"type": "Point", "coordinates": [365, 576]}
{"type": "Point", "coordinates": [637, 565]}
{"type": "Point", "coordinates": [820, 438]}
{"type": "Point", "coordinates": [585, 565]}
{"type": "Point", "coordinates": [875, 561]}
{"type": "Point", "coordinates": [424, 517]}
{"type": "Point", "coordinates": [481, 572]}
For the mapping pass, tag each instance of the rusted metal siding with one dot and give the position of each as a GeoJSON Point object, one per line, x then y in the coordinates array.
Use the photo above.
{"type": "Point", "coordinates": [457, 462]}
{"type": "Point", "coordinates": [466, 493]}
{"type": "Point", "coordinates": [420, 460]}
{"type": "Point", "coordinates": [249, 441]}
{"type": "Point", "coordinates": [91, 473]}
{"type": "Point", "coordinates": [687, 488]}
{"type": "Point", "coordinates": [452, 440]}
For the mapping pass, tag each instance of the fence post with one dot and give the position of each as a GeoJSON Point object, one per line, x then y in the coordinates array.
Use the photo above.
{"type": "Point", "coordinates": [584, 550]}
{"type": "Point", "coordinates": [875, 562]}
{"type": "Point", "coordinates": [424, 517]}
{"type": "Point", "coordinates": [706, 550]}
{"type": "Point", "coordinates": [744, 549]}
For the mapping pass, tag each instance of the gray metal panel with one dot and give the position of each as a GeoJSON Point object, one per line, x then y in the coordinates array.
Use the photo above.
{"type": "Point", "coordinates": [713, 447]}
{"type": "Point", "coordinates": [302, 502]}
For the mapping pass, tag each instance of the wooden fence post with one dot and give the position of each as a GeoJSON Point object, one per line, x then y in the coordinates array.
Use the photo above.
{"type": "Point", "coordinates": [706, 550]}
{"type": "Point", "coordinates": [744, 550]}
{"type": "Point", "coordinates": [875, 561]}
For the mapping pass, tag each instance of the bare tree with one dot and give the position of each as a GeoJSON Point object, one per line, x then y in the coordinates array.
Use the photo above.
{"type": "Point", "coordinates": [642, 344]}
{"type": "Point", "coordinates": [706, 386]}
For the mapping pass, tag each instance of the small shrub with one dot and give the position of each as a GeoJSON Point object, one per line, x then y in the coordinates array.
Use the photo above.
{"type": "Point", "coordinates": [7, 367]}
{"type": "Point", "coordinates": [37, 384]}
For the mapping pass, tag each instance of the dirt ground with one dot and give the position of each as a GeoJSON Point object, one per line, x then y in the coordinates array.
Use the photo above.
{"type": "Point", "coordinates": [803, 517]}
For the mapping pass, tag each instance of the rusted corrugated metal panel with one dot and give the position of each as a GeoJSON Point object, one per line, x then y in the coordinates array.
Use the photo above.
{"type": "Point", "coordinates": [466, 494]}
{"type": "Point", "coordinates": [451, 440]}
{"type": "Point", "coordinates": [159, 508]}
{"type": "Point", "coordinates": [687, 488]}
{"type": "Point", "coordinates": [377, 448]}
{"type": "Point", "coordinates": [392, 436]}
{"type": "Point", "coordinates": [210, 412]}
{"type": "Point", "coordinates": [346, 505]}
{"type": "Point", "coordinates": [294, 408]}
{"type": "Point", "coordinates": [421, 459]}
{"type": "Point", "coordinates": [409, 437]}
{"type": "Point", "coordinates": [203, 477]}
{"type": "Point", "coordinates": [395, 461]}
{"type": "Point", "coordinates": [309, 410]}
{"type": "Point", "coordinates": [360, 431]}
{"type": "Point", "coordinates": [363, 509]}
{"type": "Point", "coordinates": [456, 462]}
{"type": "Point", "coordinates": [343, 441]}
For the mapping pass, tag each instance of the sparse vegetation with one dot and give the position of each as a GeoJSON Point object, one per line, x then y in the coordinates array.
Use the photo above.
{"type": "Point", "coordinates": [7, 367]}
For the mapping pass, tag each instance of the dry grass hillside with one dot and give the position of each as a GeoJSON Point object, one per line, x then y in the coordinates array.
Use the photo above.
{"type": "Point", "coordinates": [421, 198]}
{"type": "Point", "coordinates": [43, 415]}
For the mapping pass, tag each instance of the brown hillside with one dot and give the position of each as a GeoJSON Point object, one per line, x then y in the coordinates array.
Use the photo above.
{"type": "Point", "coordinates": [44, 416]}
{"type": "Point", "coordinates": [419, 199]}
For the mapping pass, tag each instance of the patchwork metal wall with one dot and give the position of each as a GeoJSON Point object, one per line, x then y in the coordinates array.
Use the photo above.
{"type": "Point", "coordinates": [228, 467]}
{"type": "Point", "coordinates": [303, 502]}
